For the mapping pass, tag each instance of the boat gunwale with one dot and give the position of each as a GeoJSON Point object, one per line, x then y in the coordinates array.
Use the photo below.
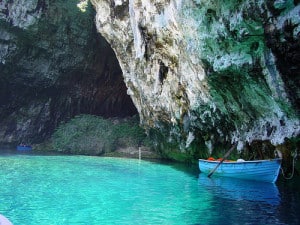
{"type": "Point", "coordinates": [241, 162]}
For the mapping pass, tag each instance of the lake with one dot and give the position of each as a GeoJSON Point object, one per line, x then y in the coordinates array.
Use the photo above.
{"type": "Point", "coordinates": [60, 189]}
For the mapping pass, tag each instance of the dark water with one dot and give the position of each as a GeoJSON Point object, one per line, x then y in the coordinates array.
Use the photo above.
{"type": "Point", "coordinates": [52, 189]}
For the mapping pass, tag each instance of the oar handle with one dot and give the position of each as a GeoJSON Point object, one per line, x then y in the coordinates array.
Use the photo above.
{"type": "Point", "coordinates": [225, 157]}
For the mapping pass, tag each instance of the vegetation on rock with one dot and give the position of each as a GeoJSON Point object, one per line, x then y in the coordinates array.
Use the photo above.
{"type": "Point", "coordinates": [92, 135]}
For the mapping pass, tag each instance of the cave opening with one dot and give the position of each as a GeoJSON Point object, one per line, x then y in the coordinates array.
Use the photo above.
{"type": "Point", "coordinates": [97, 88]}
{"type": "Point", "coordinates": [60, 67]}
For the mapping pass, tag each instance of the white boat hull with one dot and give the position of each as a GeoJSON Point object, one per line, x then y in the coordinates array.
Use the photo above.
{"type": "Point", "coordinates": [260, 170]}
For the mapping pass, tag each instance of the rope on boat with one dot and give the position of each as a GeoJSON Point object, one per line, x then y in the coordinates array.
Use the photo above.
{"type": "Point", "coordinates": [293, 170]}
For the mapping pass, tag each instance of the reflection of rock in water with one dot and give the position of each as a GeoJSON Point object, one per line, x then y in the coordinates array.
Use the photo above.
{"type": "Point", "coordinates": [237, 189]}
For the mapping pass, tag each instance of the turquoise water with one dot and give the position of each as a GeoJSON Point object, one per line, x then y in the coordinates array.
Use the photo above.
{"type": "Point", "coordinates": [52, 190]}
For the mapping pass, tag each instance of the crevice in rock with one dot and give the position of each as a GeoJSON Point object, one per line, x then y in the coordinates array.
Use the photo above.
{"type": "Point", "coordinates": [120, 11]}
{"type": "Point", "coordinates": [163, 72]}
{"type": "Point", "coordinates": [286, 50]}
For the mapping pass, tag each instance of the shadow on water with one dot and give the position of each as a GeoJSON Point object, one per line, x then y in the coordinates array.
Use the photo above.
{"type": "Point", "coordinates": [7, 150]}
{"type": "Point", "coordinates": [191, 169]}
{"type": "Point", "coordinates": [290, 199]}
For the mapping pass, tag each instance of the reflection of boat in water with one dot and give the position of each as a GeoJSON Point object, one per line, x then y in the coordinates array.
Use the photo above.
{"type": "Point", "coordinates": [238, 189]}
{"type": "Point", "coordinates": [260, 170]}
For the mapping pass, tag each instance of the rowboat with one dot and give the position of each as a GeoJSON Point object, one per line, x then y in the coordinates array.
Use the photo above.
{"type": "Point", "coordinates": [24, 148]}
{"type": "Point", "coordinates": [259, 170]}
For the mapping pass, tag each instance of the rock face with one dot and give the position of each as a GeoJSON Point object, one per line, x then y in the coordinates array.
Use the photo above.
{"type": "Point", "coordinates": [200, 73]}
{"type": "Point", "coordinates": [54, 65]}
{"type": "Point", "coordinates": [208, 71]}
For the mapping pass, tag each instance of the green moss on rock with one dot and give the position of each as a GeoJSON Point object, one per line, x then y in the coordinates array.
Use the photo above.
{"type": "Point", "coordinates": [92, 135]}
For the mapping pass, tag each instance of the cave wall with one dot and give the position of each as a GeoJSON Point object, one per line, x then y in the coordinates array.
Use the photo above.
{"type": "Point", "coordinates": [208, 72]}
{"type": "Point", "coordinates": [200, 73]}
{"type": "Point", "coordinates": [54, 65]}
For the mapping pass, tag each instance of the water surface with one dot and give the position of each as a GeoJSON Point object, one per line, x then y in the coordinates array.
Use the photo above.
{"type": "Point", "coordinates": [44, 190]}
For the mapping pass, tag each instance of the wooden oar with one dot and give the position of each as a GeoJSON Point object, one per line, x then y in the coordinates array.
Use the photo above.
{"type": "Point", "coordinates": [224, 158]}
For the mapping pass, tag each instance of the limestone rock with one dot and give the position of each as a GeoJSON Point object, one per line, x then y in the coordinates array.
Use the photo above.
{"type": "Point", "coordinates": [198, 72]}
{"type": "Point", "coordinates": [201, 71]}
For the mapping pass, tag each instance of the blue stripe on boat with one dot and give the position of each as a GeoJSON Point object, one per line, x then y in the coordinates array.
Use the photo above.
{"type": "Point", "coordinates": [260, 170]}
